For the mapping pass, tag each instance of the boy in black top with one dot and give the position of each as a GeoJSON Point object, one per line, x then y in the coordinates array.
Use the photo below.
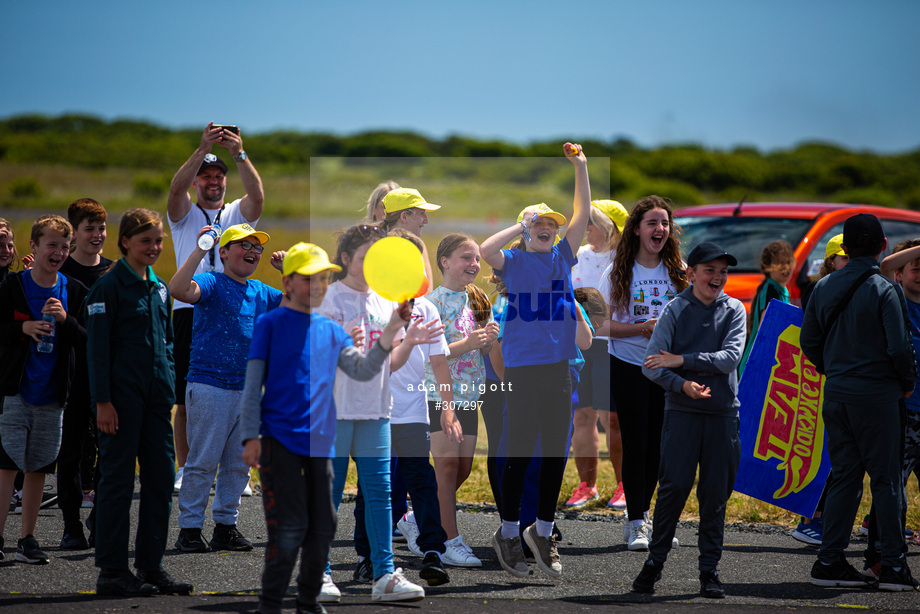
{"type": "Point", "coordinates": [868, 360]}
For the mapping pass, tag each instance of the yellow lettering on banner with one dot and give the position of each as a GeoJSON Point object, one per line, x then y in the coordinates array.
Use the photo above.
{"type": "Point", "coordinates": [791, 428]}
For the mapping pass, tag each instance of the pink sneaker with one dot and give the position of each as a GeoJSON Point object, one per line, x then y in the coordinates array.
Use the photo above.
{"type": "Point", "coordinates": [581, 495]}
{"type": "Point", "coordinates": [618, 500]}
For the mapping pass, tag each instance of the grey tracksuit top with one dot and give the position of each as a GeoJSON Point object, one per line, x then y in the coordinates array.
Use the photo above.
{"type": "Point", "coordinates": [711, 340]}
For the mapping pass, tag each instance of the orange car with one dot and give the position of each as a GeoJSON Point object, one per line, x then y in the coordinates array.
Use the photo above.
{"type": "Point", "coordinates": [744, 229]}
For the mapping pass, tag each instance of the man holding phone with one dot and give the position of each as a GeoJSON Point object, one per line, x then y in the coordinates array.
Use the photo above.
{"type": "Point", "coordinates": [208, 175]}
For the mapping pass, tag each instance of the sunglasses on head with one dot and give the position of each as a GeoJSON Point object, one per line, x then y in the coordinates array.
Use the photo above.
{"type": "Point", "coordinates": [248, 245]}
{"type": "Point", "coordinates": [366, 232]}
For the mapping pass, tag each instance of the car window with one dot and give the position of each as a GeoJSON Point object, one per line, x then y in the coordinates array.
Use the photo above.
{"type": "Point", "coordinates": [743, 237]}
{"type": "Point", "coordinates": [815, 258]}
{"type": "Point", "coordinates": [897, 231]}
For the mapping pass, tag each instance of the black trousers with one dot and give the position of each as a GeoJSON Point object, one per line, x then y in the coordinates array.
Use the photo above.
{"type": "Point", "coordinates": [300, 517]}
{"type": "Point", "coordinates": [144, 438]}
{"type": "Point", "coordinates": [640, 409]}
{"type": "Point", "coordinates": [539, 404]}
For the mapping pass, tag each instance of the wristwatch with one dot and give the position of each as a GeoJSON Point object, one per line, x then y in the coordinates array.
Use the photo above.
{"type": "Point", "coordinates": [242, 157]}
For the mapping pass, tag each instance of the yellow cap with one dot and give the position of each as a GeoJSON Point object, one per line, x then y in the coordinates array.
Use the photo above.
{"type": "Point", "coordinates": [614, 210]}
{"type": "Point", "coordinates": [834, 247]}
{"type": "Point", "coordinates": [307, 259]}
{"type": "Point", "coordinates": [406, 198]}
{"type": "Point", "coordinates": [241, 231]}
{"type": "Point", "coordinates": [542, 210]}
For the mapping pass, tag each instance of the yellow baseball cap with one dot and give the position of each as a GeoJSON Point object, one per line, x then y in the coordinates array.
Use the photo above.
{"type": "Point", "coordinates": [307, 259]}
{"type": "Point", "coordinates": [834, 247]}
{"type": "Point", "coordinates": [614, 210]}
{"type": "Point", "coordinates": [542, 210]}
{"type": "Point", "coordinates": [406, 198]}
{"type": "Point", "coordinates": [241, 231]}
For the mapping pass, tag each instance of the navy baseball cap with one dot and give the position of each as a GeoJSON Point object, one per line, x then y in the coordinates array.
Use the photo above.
{"type": "Point", "coordinates": [212, 160]}
{"type": "Point", "coordinates": [706, 252]}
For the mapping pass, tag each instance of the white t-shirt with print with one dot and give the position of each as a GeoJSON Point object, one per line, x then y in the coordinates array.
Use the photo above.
{"type": "Point", "coordinates": [407, 384]}
{"type": "Point", "coordinates": [650, 291]}
{"type": "Point", "coordinates": [185, 236]}
{"type": "Point", "coordinates": [356, 400]}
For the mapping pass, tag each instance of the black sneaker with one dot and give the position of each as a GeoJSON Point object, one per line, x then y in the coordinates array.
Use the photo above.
{"type": "Point", "coordinates": [891, 580]}
{"type": "Point", "coordinates": [433, 571]}
{"type": "Point", "coordinates": [74, 539]}
{"type": "Point", "coordinates": [645, 581]}
{"type": "Point", "coordinates": [314, 608]}
{"type": "Point", "coordinates": [840, 573]}
{"type": "Point", "coordinates": [710, 585]}
{"type": "Point", "coordinates": [191, 540]}
{"type": "Point", "coordinates": [29, 552]}
{"type": "Point", "coordinates": [164, 582]}
{"type": "Point", "coordinates": [122, 583]}
{"type": "Point", "coordinates": [364, 572]}
{"type": "Point", "coordinates": [228, 537]}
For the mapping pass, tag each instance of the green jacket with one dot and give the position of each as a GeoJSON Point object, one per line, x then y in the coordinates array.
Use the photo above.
{"type": "Point", "coordinates": [130, 339]}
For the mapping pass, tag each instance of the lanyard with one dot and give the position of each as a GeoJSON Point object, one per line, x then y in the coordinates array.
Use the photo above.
{"type": "Point", "coordinates": [211, 252]}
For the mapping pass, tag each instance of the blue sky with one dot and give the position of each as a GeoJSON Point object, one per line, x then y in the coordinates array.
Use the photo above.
{"type": "Point", "coordinates": [722, 73]}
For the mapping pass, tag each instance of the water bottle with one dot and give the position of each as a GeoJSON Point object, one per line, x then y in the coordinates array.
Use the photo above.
{"type": "Point", "coordinates": [210, 237]}
{"type": "Point", "coordinates": [46, 346]}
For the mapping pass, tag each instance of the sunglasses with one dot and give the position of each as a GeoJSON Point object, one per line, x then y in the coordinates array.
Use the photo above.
{"type": "Point", "coordinates": [248, 246]}
{"type": "Point", "coordinates": [366, 232]}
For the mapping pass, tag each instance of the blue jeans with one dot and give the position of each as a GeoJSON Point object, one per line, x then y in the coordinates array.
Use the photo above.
{"type": "Point", "coordinates": [368, 442]}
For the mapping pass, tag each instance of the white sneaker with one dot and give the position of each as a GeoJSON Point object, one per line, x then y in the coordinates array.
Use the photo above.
{"type": "Point", "coordinates": [247, 492]}
{"type": "Point", "coordinates": [329, 593]}
{"type": "Point", "coordinates": [675, 543]}
{"type": "Point", "coordinates": [410, 531]}
{"type": "Point", "coordinates": [458, 554]}
{"type": "Point", "coordinates": [638, 537]}
{"type": "Point", "coordinates": [395, 587]}
{"type": "Point", "coordinates": [177, 485]}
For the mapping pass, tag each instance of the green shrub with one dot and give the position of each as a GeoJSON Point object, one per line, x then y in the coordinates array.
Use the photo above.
{"type": "Point", "coordinates": [24, 188]}
{"type": "Point", "coordinates": [153, 188]}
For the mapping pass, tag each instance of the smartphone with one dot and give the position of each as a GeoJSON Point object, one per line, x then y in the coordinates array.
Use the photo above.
{"type": "Point", "coordinates": [233, 129]}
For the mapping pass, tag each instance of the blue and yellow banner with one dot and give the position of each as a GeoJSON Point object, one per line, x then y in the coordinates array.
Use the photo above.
{"type": "Point", "coordinates": [783, 448]}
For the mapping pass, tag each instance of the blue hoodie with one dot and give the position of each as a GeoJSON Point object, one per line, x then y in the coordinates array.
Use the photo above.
{"type": "Point", "coordinates": [711, 340]}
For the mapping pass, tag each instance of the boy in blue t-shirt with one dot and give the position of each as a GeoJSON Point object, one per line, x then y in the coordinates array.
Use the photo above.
{"type": "Point", "coordinates": [226, 307]}
{"type": "Point", "coordinates": [294, 354]}
{"type": "Point", "coordinates": [35, 379]}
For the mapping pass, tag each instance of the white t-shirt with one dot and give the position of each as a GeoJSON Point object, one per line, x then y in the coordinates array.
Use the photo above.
{"type": "Point", "coordinates": [185, 236]}
{"type": "Point", "coordinates": [355, 400]}
{"type": "Point", "coordinates": [650, 291]}
{"type": "Point", "coordinates": [590, 266]}
{"type": "Point", "coordinates": [407, 384]}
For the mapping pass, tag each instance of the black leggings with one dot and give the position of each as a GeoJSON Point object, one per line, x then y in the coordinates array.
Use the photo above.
{"type": "Point", "coordinates": [493, 403]}
{"type": "Point", "coordinates": [640, 408]}
{"type": "Point", "coordinates": [538, 401]}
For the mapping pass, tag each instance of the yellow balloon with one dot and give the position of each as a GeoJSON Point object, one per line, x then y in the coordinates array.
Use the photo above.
{"type": "Point", "coordinates": [394, 269]}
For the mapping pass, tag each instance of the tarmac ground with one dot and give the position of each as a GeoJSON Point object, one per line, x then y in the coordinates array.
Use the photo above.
{"type": "Point", "coordinates": [763, 569]}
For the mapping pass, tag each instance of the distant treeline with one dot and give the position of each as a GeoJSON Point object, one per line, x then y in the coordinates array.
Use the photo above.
{"type": "Point", "coordinates": [689, 173]}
